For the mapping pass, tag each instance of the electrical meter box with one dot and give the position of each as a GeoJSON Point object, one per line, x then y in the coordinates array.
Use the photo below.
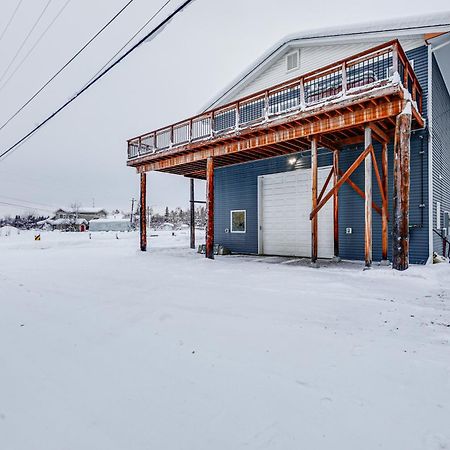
{"type": "Point", "coordinates": [446, 222]}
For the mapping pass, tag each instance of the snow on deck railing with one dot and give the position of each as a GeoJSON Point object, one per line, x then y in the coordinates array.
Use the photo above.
{"type": "Point", "coordinates": [367, 69]}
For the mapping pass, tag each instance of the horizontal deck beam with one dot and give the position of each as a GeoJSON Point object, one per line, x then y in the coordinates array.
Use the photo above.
{"type": "Point", "coordinates": [267, 137]}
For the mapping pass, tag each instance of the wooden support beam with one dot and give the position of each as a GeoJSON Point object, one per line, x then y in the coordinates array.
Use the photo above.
{"type": "Point", "coordinates": [341, 181]}
{"type": "Point", "coordinates": [400, 238]}
{"type": "Point", "coordinates": [336, 204]}
{"type": "Point", "coordinates": [142, 212]}
{"type": "Point", "coordinates": [314, 219]}
{"type": "Point", "coordinates": [368, 198]}
{"type": "Point", "coordinates": [379, 134]}
{"type": "Point", "coordinates": [209, 253]}
{"type": "Point", "coordinates": [192, 214]}
{"type": "Point", "coordinates": [385, 206]}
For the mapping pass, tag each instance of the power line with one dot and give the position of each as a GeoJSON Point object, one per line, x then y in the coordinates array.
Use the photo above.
{"type": "Point", "coordinates": [11, 19]}
{"type": "Point", "coordinates": [14, 199]}
{"type": "Point", "coordinates": [35, 44]}
{"type": "Point", "coordinates": [131, 38]}
{"type": "Point", "coordinates": [101, 75]}
{"type": "Point", "coordinates": [25, 206]}
{"type": "Point", "coordinates": [26, 39]}
{"type": "Point", "coordinates": [110, 21]}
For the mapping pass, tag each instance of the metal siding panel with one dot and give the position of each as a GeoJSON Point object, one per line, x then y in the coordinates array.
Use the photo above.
{"type": "Point", "coordinates": [441, 148]}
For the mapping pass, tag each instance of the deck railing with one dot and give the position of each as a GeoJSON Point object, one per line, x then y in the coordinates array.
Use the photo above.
{"type": "Point", "coordinates": [363, 71]}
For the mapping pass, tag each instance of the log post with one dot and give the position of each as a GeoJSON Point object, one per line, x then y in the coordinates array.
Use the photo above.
{"type": "Point", "coordinates": [385, 205]}
{"type": "Point", "coordinates": [336, 204]}
{"type": "Point", "coordinates": [314, 220]}
{"type": "Point", "coordinates": [209, 253]}
{"type": "Point", "coordinates": [400, 238]}
{"type": "Point", "coordinates": [142, 212]}
{"type": "Point", "coordinates": [368, 199]}
{"type": "Point", "coordinates": [192, 214]}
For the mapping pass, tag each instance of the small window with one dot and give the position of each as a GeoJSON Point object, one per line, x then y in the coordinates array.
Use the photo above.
{"type": "Point", "coordinates": [292, 61]}
{"type": "Point", "coordinates": [238, 221]}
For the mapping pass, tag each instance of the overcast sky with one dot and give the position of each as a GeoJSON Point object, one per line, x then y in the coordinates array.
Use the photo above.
{"type": "Point", "coordinates": [81, 155]}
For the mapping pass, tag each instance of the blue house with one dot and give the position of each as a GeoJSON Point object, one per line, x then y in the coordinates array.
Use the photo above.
{"type": "Point", "coordinates": [333, 144]}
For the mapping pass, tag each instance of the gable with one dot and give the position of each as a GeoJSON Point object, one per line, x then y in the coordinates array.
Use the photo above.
{"type": "Point", "coordinates": [312, 57]}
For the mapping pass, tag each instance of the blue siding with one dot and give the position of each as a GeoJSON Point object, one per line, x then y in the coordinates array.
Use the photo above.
{"type": "Point", "coordinates": [236, 188]}
{"type": "Point", "coordinates": [441, 148]}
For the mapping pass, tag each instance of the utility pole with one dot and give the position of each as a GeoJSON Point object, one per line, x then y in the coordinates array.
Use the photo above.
{"type": "Point", "coordinates": [132, 210]}
{"type": "Point", "coordinates": [192, 215]}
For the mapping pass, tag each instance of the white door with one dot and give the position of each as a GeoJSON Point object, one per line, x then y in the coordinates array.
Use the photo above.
{"type": "Point", "coordinates": [284, 205]}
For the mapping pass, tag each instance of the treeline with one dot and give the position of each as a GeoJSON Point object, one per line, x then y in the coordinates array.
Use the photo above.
{"type": "Point", "coordinates": [25, 222]}
{"type": "Point", "coordinates": [178, 217]}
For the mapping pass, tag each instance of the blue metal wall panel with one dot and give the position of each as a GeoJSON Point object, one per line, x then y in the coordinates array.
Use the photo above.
{"type": "Point", "coordinates": [236, 188]}
{"type": "Point", "coordinates": [441, 149]}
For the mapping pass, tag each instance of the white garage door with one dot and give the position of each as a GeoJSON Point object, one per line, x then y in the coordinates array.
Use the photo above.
{"type": "Point", "coordinates": [284, 205]}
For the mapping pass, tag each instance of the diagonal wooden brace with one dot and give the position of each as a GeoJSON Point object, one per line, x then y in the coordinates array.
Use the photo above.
{"type": "Point", "coordinates": [359, 191]}
{"type": "Point", "coordinates": [324, 188]}
{"type": "Point", "coordinates": [342, 180]}
{"type": "Point", "coordinates": [378, 177]}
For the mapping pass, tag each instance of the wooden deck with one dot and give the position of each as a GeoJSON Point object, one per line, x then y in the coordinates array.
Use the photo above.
{"type": "Point", "coordinates": [343, 98]}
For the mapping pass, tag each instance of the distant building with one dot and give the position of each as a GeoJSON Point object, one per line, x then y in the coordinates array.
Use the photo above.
{"type": "Point", "coordinates": [74, 219]}
{"type": "Point", "coordinates": [81, 213]}
{"type": "Point", "coordinates": [110, 224]}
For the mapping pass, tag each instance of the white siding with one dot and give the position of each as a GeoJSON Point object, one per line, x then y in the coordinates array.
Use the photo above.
{"type": "Point", "coordinates": [311, 58]}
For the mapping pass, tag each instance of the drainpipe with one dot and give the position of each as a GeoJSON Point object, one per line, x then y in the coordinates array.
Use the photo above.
{"type": "Point", "coordinates": [430, 155]}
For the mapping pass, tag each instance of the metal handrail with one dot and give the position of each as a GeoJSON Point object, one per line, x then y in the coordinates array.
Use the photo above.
{"type": "Point", "coordinates": [336, 80]}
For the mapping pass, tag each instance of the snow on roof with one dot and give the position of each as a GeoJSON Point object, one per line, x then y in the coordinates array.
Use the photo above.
{"type": "Point", "coordinates": [110, 220]}
{"type": "Point", "coordinates": [85, 210]}
{"type": "Point", "coordinates": [392, 28]}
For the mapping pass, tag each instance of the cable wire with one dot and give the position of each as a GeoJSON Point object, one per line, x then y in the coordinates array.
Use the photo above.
{"type": "Point", "coordinates": [149, 35]}
{"type": "Point", "coordinates": [35, 45]}
{"type": "Point", "coordinates": [25, 206]}
{"type": "Point", "coordinates": [26, 39]}
{"type": "Point", "coordinates": [11, 19]}
{"type": "Point", "coordinates": [110, 21]}
{"type": "Point", "coordinates": [131, 38]}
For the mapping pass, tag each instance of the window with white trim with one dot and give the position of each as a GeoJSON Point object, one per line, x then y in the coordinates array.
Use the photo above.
{"type": "Point", "coordinates": [292, 60]}
{"type": "Point", "coordinates": [238, 219]}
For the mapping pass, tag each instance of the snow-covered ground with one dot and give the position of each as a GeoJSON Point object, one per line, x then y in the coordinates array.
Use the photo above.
{"type": "Point", "coordinates": [106, 348]}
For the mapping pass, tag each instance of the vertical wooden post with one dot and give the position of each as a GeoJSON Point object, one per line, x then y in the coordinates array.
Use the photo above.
{"type": "Point", "coordinates": [209, 253]}
{"type": "Point", "coordinates": [385, 206]}
{"type": "Point", "coordinates": [142, 212]}
{"type": "Point", "coordinates": [400, 238]}
{"type": "Point", "coordinates": [368, 199]}
{"type": "Point", "coordinates": [192, 215]}
{"type": "Point", "coordinates": [314, 220]}
{"type": "Point", "coordinates": [336, 204]}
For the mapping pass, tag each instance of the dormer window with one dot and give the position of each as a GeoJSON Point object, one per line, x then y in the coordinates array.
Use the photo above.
{"type": "Point", "coordinates": [293, 60]}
